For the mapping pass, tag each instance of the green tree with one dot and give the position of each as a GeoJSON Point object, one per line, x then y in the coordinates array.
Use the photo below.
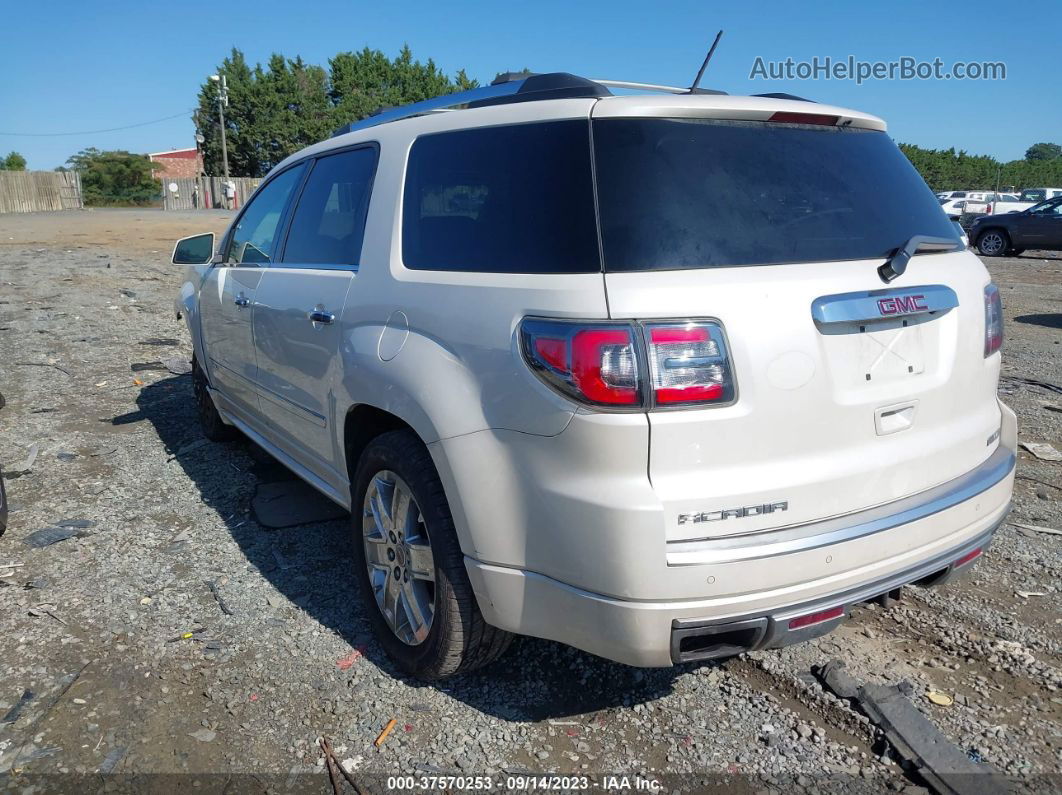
{"type": "Point", "coordinates": [946, 169]}
{"type": "Point", "coordinates": [1043, 151]}
{"type": "Point", "coordinates": [276, 109]}
{"type": "Point", "coordinates": [13, 162]}
{"type": "Point", "coordinates": [115, 177]}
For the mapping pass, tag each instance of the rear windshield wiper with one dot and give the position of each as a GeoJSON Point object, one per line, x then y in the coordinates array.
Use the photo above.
{"type": "Point", "coordinates": [897, 263]}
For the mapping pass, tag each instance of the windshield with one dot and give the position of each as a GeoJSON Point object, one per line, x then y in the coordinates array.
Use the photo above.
{"type": "Point", "coordinates": [694, 193]}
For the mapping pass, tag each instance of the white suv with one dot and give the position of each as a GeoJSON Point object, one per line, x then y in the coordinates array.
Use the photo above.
{"type": "Point", "coordinates": [664, 377]}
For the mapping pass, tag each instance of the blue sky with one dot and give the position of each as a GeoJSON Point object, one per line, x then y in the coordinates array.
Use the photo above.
{"type": "Point", "coordinates": [74, 66]}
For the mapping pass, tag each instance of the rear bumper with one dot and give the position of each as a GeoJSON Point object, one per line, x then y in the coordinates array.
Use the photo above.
{"type": "Point", "coordinates": [749, 592]}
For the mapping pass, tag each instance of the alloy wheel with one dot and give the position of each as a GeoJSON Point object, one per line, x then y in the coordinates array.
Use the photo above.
{"type": "Point", "coordinates": [991, 243]}
{"type": "Point", "coordinates": [399, 558]}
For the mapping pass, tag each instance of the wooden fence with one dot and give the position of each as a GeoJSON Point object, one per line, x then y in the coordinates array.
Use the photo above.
{"type": "Point", "coordinates": [39, 191]}
{"type": "Point", "coordinates": [205, 193]}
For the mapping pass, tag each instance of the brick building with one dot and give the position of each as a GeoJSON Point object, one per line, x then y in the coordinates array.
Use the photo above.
{"type": "Point", "coordinates": [178, 163]}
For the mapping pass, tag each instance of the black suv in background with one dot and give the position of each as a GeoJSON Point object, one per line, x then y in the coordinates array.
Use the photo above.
{"type": "Point", "coordinates": [1039, 227]}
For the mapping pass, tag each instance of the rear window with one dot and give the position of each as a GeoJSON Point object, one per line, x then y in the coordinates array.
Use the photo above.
{"type": "Point", "coordinates": [508, 199]}
{"type": "Point", "coordinates": [695, 193]}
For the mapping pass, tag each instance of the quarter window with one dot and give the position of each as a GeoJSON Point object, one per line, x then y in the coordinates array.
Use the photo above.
{"type": "Point", "coordinates": [329, 221]}
{"type": "Point", "coordinates": [254, 240]}
{"type": "Point", "coordinates": [508, 199]}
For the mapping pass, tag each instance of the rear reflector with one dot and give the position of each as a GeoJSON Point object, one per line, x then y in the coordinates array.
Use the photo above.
{"type": "Point", "coordinates": [805, 118]}
{"type": "Point", "coordinates": [816, 618]}
{"type": "Point", "coordinates": [974, 554]}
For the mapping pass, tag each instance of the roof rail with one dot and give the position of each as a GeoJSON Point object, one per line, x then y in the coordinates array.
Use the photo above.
{"type": "Point", "coordinates": [554, 85]}
{"type": "Point", "coordinates": [655, 87]}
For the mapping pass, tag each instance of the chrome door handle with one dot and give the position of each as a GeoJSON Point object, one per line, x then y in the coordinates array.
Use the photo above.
{"type": "Point", "coordinates": [242, 300]}
{"type": "Point", "coordinates": [320, 316]}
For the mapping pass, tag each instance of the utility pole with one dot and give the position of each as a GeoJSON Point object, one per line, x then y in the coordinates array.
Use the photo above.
{"type": "Point", "coordinates": [223, 102]}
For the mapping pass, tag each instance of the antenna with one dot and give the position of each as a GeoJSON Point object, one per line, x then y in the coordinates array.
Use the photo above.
{"type": "Point", "coordinates": [707, 58]}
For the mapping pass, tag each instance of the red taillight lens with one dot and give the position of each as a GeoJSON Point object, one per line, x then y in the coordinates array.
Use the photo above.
{"type": "Point", "coordinates": [603, 367]}
{"type": "Point", "coordinates": [688, 363]}
{"type": "Point", "coordinates": [993, 320]}
{"type": "Point", "coordinates": [602, 364]}
{"type": "Point", "coordinates": [591, 362]}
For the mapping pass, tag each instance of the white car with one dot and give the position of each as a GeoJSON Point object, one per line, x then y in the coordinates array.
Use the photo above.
{"type": "Point", "coordinates": [1028, 198]}
{"type": "Point", "coordinates": [665, 377]}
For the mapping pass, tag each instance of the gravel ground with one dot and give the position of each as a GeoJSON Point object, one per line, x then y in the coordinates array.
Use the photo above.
{"type": "Point", "coordinates": [164, 542]}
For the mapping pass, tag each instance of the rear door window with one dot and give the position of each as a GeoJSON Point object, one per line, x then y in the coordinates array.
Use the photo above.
{"type": "Point", "coordinates": [328, 224]}
{"type": "Point", "coordinates": [695, 193]}
{"type": "Point", "coordinates": [255, 237]}
{"type": "Point", "coordinates": [508, 199]}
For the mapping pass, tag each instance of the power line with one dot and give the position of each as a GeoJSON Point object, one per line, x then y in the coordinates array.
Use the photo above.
{"type": "Point", "coordinates": [93, 132]}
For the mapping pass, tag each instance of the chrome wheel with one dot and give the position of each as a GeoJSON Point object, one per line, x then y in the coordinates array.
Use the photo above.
{"type": "Point", "coordinates": [398, 558]}
{"type": "Point", "coordinates": [992, 243]}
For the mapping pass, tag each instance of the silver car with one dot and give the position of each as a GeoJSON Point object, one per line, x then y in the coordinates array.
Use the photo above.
{"type": "Point", "coordinates": [665, 376]}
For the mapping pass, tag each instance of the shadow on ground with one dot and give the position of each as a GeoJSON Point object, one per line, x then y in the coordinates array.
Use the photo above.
{"type": "Point", "coordinates": [311, 565]}
{"type": "Point", "coordinates": [1046, 319]}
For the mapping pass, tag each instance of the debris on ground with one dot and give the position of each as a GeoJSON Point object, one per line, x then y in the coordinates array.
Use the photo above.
{"type": "Point", "coordinates": [1043, 451]}
{"type": "Point", "coordinates": [1032, 528]}
{"type": "Point", "coordinates": [940, 699]}
{"type": "Point", "coordinates": [50, 535]}
{"type": "Point", "coordinates": [216, 591]}
{"type": "Point", "coordinates": [110, 762]}
{"type": "Point", "coordinates": [943, 765]}
{"type": "Point", "coordinates": [140, 367]}
{"type": "Point", "coordinates": [386, 731]}
{"type": "Point", "coordinates": [178, 366]}
{"type": "Point", "coordinates": [12, 714]}
{"type": "Point", "coordinates": [345, 663]}
{"type": "Point", "coordinates": [289, 503]}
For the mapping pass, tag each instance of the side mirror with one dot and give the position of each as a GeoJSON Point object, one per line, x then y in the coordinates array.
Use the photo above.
{"type": "Point", "coordinates": [194, 250]}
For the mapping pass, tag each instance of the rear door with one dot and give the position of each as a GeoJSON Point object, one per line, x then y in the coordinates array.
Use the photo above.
{"type": "Point", "coordinates": [228, 293]}
{"type": "Point", "coordinates": [298, 306]}
{"type": "Point", "coordinates": [849, 392]}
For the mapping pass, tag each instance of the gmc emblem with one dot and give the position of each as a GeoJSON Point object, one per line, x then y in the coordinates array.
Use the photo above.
{"type": "Point", "coordinates": [902, 304]}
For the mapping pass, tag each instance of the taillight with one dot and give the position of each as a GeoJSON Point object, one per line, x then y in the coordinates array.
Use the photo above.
{"type": "Point", "coordinates": [591, 362]}
{"type": "Point", "coordinates": [993, 320]}
{"type": "Point", "coordinates": [688, 363]}
{"type": "Point", "coordinates": [602, 364]}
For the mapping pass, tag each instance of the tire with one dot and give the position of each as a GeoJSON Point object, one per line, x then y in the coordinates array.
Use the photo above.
{"type": "Point", "coordinates": [455, 639]}
{"type": "Point", "coordinates": [993, 243]}
{"type": "Point", "coordinates": [214, 428]}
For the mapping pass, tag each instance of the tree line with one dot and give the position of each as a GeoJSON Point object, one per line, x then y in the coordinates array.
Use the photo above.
{"type": "Point", "coordinates": [277, 109]}
{"type": "Point", "coordinates": [947, 169]}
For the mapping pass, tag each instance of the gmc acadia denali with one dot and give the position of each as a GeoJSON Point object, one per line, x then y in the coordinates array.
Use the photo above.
{"type": "Point", "coordinates": [664, 376]}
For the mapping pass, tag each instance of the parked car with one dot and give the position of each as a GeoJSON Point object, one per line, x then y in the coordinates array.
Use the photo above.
{"type": "Point", "coordinates": [1039, 227]}
{"type": "Point", "coordinates": [953, 208]}
{"type": "Point", "coordinates": [1028, 198]}
{"type": "Point", "coordinates": [578, 381]}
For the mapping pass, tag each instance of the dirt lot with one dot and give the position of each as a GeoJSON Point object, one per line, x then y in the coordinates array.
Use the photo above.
{"type": "Point", "coordinates": [95, 677]}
